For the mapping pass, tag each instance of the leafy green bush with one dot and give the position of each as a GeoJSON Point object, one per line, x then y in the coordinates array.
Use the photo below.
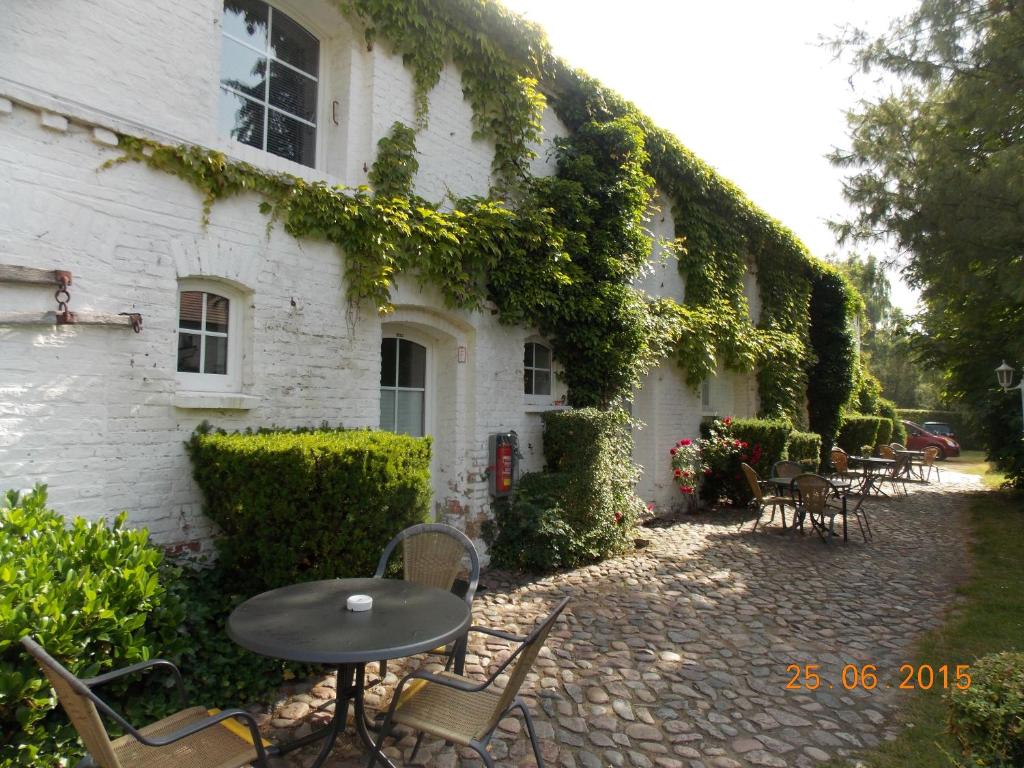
{"type": "Point", "coordinates": [884, 434]}
{"type": "Point", "coordinates": [857, 431]}
{"type": "Point", "coordinates": [805, 448]}
{"type": "Point", "coordinates": [988, 717]}
{"type": "Point", "coordinates": [117, 602]}
{"type": "Point", "coordinates": [887, 409]}
{"type": "Point", "coordinates": [582, 508]}
{"type": "Point", "coordinates": [302, 505]}
{"type": "Point", "coordinates": [87, 592]}
{"type": "Point", "coordinates": [770, 434]}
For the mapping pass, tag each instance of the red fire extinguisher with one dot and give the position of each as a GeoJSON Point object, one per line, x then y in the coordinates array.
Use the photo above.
{"type": "Point", "coordinates": [503, 463]}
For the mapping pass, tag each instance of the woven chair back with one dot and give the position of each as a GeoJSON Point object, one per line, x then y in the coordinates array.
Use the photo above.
{"type": "Point", "coordinates": [886, 452]}
{"type": "Point", "coordinates": [752, 480]}
{"type": "Point", "coordinates": [786, 469]}
{"type": "Point", "coordinates": [897, 447]}
{"type": "Point", "coordinates": [527, 656]}
{"type": "Point", "coordinates": [840, 460]}
{"type": "Point", "coordinates": [73, 696]}
{"type": "Point", "coordinates": [931, 453]}
{"type": "Point", "coordinates": [432, 559]}
{"type": "Point", "coordinates": [814, 492]}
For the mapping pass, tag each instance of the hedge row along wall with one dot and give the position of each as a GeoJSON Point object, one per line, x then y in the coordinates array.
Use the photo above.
{"type": "Point", "coordinates": [299, 506]}
{"type": "Point", "coordinates": [858, 431]}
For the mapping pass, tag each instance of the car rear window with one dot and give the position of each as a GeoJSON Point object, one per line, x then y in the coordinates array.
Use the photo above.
{"type": "Point", "coordinates": [938, 428]}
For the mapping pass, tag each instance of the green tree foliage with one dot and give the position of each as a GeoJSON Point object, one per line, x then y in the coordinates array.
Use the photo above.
{"type": "Point", "coordinates": [936, 166]}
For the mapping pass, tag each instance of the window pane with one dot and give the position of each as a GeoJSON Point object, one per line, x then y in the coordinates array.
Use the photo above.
{"type": "Point", "coordinates": [246, 20]}
{"type": "Point", "coordinates": [412, 364]}
{"type": "Point", "coordinates": [541, 356]}
{"type": "Point", "coordinates": [241, 119]}
{"type": "Point", "coordinates": [216, 313]}
{"type": "Point", "coordinates": [409, 420]}
{"type": "Point", "coordinates": [243, 69]}
{"type": "Point", "coordinates": [191, 313]}
{"type": "Point", "coordinates": [216, 360]}
{"type": "Point", "coordinates": [388, 350]}
{"type": "Point", "coordinates": [387, 409]}
{"type": "Point", "coordinates": [528, 354]}
{"type": "Point", "coordinates": [292, 92]}
{"type": "Point", "coordinates": [291, 139]}
{"type": "Point", "coordinates": [528, 381]}
{"type": "Point", "coordinates": [290, 42]}
{"type": "Point", "coordinates": [541, 382]}
{"type": "Point", "coordinates": [188, 352]}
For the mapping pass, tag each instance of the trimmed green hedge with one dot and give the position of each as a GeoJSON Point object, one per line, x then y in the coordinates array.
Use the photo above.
{"type": "Point", "coordinates": [884, 434]}
{"type": "Point", "coordinates": [582, 508]}
{"type": "Point", "coordinates": [857, 431]}
{"type": "Point", "coordinates": [771, 434]}
{"type": "Point", "coordinates": [805, 448]}
{"type": "Point", "coordinates": [304, 505]}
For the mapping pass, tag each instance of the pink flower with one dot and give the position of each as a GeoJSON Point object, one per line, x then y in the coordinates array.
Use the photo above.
{"type": "Point", "coordinates": [618, 518]}
{"type": "Point", "coordinates": [672, 451]}
{"type": "Point", "coordinates": [727, 421]}
{"type": "Point", "coordinates": [677, 473]}
{"type": "Point", "coordinates": [686, 489]}
{"type": "Point", "coordinates": [685, 441]}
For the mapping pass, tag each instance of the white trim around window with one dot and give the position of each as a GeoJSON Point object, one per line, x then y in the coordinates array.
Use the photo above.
{"type": "Point", "coordinates": [209, 336]}
{"type": "Point", "coordinates": [538, 373]}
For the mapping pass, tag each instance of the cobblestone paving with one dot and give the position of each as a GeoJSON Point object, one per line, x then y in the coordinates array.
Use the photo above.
{"type": "Point", "coordinates": [677, 655]}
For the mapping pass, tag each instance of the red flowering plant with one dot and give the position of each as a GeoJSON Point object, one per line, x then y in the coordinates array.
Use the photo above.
{"type": "Point", "coordinates": [688, 466]}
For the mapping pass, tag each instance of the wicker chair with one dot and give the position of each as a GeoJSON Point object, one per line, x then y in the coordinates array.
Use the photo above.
{"type": "Point", "coordinates": [931, 455]}
{"type": "Point", "coordinates": [841, 464]}
{"type": "Point", "coordinates": [191, 738]}
{"type": "Point", "coordinates": [432, 555]}
{"type": "Point", "coordinates": [464, 711]}
{"type": "Point", "coordinates": [815, 493]}
{"type": "Point", "coordinates": [886, 451]}
{"type": "Point", "coordinates": [763, 502]}
{"type": "Point", "coordinates": [897, 447]}
{"type": "Point", "coordinates": [786, 469]}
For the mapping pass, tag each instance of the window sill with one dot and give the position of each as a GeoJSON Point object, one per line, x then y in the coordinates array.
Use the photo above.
{"type": "Point", "coordinates": [541, 408]}
{"type": "Point", "coordinates": [220, 401]}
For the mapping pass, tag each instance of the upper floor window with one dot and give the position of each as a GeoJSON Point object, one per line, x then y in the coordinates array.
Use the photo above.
{"type": "Point", "coordinates": [269, 76]}
{"type": "Point", "coordinates": [536, 369]}
{"type": "Point", "coordinates": [209, 343]}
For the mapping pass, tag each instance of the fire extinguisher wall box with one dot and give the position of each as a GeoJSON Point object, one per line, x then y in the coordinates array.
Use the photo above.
{"type": "Point", "coordinates": [503, 463]}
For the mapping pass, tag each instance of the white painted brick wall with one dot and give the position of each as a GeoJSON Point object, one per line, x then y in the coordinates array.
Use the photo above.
{"type": "Point", "coordinates": [92, 412]}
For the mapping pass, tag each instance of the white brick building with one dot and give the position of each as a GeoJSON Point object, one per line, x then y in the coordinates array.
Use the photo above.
{"type": "Point", "coordinates": [100, 413]}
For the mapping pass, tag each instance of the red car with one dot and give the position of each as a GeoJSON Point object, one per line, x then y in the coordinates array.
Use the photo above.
{"type": "Point", "coordinates": [918, 438]}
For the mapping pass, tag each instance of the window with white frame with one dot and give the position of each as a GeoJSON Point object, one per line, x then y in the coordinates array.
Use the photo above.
{"type": "Point", "coordinates": [209, 337]}
{"type": "Point", "coordinates": [537, 371]}
{"type": "Point", "coordinates": [403, 386]}
{"type": "Point", "coordinates": [269, 78]}
{"type": "Point", "coordinates": [705, 395]}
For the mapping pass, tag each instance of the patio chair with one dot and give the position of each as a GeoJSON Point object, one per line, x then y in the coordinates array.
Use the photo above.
{"type": "Point", "coordinates": [464, 711]}
{"type": "Point", "coordinates": [841, 466]}
{"type": "Point", "coordinates": [786, 469]}
{"type": "Point", "coordinates": [931, 455]}
{"type": "Point", "coordinates": [763, 502]}
{"type": "Point", "coordinates": [191, 738]}
{"type": "Point", "coordinates": [886, 451]}
{"type": "Point", "coordinates": [897, 447]}
{"type": "Point", "coordinates": [815, 492]}
{"type": "Point", "coordinates": [432, 555]}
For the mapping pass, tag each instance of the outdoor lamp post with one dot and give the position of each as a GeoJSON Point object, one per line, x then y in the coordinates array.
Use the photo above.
{"type": "Point", "coordinates": [1004, 374]}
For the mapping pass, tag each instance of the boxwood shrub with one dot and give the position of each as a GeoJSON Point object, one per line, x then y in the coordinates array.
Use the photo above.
{"type": "Point", "coordinates": [857, 431]}
{"type": "Point", "coordinates": [302, 505]}
{"type": "Point", "coordinates": [582, 508]}
{"type": "Point", "coordinates": [805, 448]}
{"type": "Point", "coordinates": [884, 434]}
{"type": "Point", "coordinates": [988, 717]}
{"type": "Point", "coordinates": [771, 434]}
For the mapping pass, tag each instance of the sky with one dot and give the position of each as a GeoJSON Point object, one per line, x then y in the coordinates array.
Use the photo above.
{"type": "Point", "coordinates": [744, 84]}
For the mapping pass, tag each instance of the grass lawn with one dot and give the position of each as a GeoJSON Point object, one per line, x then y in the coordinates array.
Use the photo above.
{"type": "Point", "coordinates": [990, 619]}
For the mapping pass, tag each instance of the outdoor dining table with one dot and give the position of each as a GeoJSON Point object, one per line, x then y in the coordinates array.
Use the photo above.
{"type": "Point", "coordinates": [842, 485]}
{"type": "Point", "coordinates": [310, 623]}
{"type": "Point", "coordinates": [910, 457]}
{"type": "Point", "coordinates": [872, 466]}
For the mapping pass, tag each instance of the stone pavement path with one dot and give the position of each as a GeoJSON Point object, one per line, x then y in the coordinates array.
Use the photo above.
{"type": "Point", "coordinates": [677, 655]}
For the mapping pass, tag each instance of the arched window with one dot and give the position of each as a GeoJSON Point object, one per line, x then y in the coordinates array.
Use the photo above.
{"type": "Point", "coordinates": [209, 337]}
{"type": "Point", "coordinates": [536, 370]}
{"type": "Point", "coordinates": [403, 386]}
{"type": "Point", "coordinates": [269, 79]}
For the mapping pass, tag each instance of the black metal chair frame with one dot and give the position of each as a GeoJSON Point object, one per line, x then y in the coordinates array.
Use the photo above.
{"type": "Point", "coordinates": [819, 526]}
{"type": "Point", "coordinates": [84, 687]}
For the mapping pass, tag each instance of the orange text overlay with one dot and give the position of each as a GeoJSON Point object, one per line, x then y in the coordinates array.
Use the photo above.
{"type": "Point", "coordinates": [809, 677]}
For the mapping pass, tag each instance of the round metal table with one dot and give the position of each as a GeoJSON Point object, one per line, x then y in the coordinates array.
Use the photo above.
{"type": "Point", "coordinates": [310, 623]}
{"type": "Point", "coordinates": [842, 486]}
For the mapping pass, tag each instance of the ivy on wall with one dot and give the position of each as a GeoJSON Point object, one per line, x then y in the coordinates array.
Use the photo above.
{"type": "Point", "coordinates": [569, 246]}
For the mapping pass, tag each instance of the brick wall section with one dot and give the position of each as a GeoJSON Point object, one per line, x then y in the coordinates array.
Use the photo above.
{"type": "Point", "coordinates": [96, 412]}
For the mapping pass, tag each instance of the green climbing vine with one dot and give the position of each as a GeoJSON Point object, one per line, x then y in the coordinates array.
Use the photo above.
{"type": "Point", "coordinates": [570, 246]}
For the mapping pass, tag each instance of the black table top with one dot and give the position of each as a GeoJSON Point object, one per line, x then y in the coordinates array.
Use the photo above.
{"type": "Point", "coordinates": [784, 482]}
{"type": "Point", "coordinates": [309, 622]}
{"type": "Point", "coordinates": [872, 460]}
